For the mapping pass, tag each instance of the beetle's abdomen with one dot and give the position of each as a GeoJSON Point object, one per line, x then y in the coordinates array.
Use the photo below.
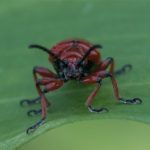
{"type": "Point", "coordinates": [74, 50]}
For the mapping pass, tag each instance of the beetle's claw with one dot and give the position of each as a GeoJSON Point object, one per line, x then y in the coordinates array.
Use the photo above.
{"type": "Point", "coordinates": [127, 67]}
{"type": "Point", "coordinates": [27, 102]}
{"type": "Point", "coordinates": [124, 69]}
{"type": "Point", "coordinates": [34, 112]}
{"type": "Point", "coordinates": [34, 127]}
{"type": "Point", "coordinates": [131, 101]}
{"type": "Point", "coordinates": [100, 110]}
{"type": "Point", "coordinates": [30, 130]}
{"type": "Point", "coordinates": [24, 102]}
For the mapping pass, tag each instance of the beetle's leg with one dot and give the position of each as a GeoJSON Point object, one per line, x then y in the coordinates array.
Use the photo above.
{"type": "Point", "coordinates": [123, 69]}
{"type": "Point", "coordinates": [34, 112]}
{"type": "Point", "coordinates": [49, 82]}
{"type": "Point", "coordinates": [42, 72]}
{"type": "Point", "coordinates": [90, 100]}
{"type": "Point", "coordinates": [89, 80]}
{"type": "Point", "coordinates": [110, 62]}
{"type": "Point", "coordinates": [29, 102]}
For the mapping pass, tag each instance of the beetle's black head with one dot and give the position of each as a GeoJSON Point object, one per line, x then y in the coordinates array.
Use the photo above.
{"type": "Point", "coordinates": [71, 70]}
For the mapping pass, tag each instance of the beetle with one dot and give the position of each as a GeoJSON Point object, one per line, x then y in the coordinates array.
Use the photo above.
{"type": "Point", "coordinates": [74, 59]}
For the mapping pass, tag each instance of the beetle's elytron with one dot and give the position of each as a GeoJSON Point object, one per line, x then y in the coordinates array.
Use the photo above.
{"type": "Point", "coordinates": [74, 60]}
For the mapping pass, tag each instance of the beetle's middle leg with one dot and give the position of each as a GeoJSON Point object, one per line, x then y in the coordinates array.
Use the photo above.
{"type": "Point", "coordinates": [29, 102]}
{"type": "Point", "coordinates": [93, 79]}
{"type": "Point", "coordinates": [109, 62]}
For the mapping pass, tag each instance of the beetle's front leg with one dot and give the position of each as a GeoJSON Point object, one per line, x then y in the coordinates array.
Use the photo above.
{"type": "Point", "coordinates": [109, 62]}
{"type": "Point", "coordinates": [93, 79]}
{"type": "Point", "coordinates": [90, 100]}
{"type": "Point", "coordinates": [48, 82]}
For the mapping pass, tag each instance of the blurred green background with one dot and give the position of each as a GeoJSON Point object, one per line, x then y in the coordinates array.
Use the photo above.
{"type": "Point", "coordinates": [121, 26]}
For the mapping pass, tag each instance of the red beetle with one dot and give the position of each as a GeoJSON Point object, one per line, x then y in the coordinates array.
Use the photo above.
{"type": "Point", "coordinates": [74, 60]}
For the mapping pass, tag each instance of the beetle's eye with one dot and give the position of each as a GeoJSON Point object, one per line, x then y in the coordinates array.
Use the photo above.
{"type": "Point", "coordinates": [65, 62]}
{"type": "Point", "coordinates": [82, 64]}
{"type": "Point", "coordinates": [80, 69]}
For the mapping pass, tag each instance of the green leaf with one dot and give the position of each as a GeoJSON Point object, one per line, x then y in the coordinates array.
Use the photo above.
{"type": "Point", "coordinates": [95, 134]}
{"type": "Point", "coordinates": [122, 27]}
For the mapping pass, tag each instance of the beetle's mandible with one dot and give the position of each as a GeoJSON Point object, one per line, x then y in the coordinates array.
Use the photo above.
{"type": "Point", "coordinates": [79, 60]}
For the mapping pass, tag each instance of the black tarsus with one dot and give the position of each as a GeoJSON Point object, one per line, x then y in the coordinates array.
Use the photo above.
{"type": "Point", "coordinates": [131, 101]}
{"type": "Point", "coordinates": [27, 102]}
{"type": "Point", "coordinates": [34, 112]}
{"type": "Point", "coordinates": [88, 52]}
{"type": "Point", "coordinates": [97, 110]}
{"type": "Point", "coordinates": [123, 69]}
{"type": "Point", "coordinates": [35, 126]}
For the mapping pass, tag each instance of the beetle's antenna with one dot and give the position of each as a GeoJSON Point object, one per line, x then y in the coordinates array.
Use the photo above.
{"type": "Point", "coordinates": [88, 52]}
{"type": "Point", "coordinates": [44, 49]}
